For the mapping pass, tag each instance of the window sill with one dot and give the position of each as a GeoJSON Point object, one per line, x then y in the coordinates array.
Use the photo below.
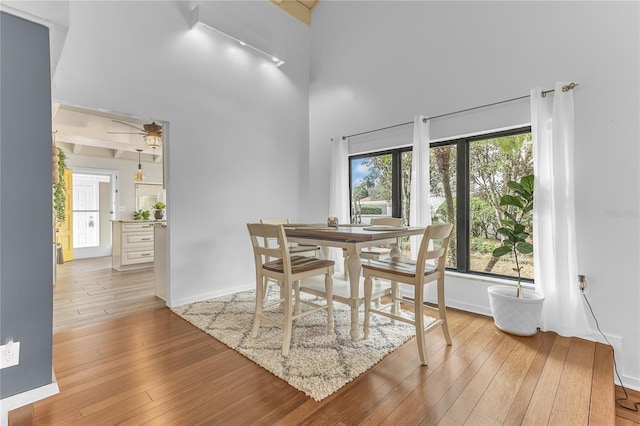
{"type": "Point", "coordinates": [489, 280]}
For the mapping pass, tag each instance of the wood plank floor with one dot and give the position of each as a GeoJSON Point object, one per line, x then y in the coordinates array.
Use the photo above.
{"type": "Point", "coordinates": [152, 367]}
{"type": "Point", "coordinates": [88, 291]}
{"type": "Point", "coordinates": [628, 417]}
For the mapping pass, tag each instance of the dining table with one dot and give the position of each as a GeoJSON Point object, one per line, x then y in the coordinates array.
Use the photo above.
{"type": "Point", "coordinates": [351, 238]}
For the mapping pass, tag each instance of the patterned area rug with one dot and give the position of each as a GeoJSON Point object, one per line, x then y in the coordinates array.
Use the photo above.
{"type": "Point", "coordinates": [318, 364]}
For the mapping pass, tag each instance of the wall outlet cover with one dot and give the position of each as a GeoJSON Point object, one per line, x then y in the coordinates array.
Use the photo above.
{"type": "Point", "coordinates": [9, 354]}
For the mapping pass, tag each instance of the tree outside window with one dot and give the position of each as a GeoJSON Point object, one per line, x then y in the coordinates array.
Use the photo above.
{"type": "Point", "coordinates": [468, 176]}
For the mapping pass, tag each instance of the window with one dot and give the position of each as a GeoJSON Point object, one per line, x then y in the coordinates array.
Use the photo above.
{"type": "Point", "coordinates": [468, 176]}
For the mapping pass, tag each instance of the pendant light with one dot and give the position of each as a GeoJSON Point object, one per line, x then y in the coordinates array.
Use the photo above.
{"type": "Point", "coordinates": [139, 177]}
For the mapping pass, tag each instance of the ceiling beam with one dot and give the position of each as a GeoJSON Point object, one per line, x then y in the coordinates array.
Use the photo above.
{"type": "Point", "coordinates": [117, 153]}
{"type": "Point", "coordinates": [299, 9]}
{"type": "Point", "coordinates": [75, 148]}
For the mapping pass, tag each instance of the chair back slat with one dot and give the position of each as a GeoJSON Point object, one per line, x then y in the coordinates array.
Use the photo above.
{"type": "Point", "coordinates": [434, 233]}
{"type": "Point", "coordinates": [261, 234]}
{"type": "Point", "coordinates": [386, 221]}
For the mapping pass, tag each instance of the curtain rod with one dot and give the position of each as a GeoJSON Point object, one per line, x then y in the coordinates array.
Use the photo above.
{"type": "Point", "coordinates": [565, 88]}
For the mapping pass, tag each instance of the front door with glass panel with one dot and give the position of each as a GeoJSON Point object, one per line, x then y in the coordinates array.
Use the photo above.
{"type": "Point", "coordinates": [92, 212]}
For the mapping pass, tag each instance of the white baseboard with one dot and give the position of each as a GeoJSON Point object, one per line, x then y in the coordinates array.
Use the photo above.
{"type": "Point", "coordinates": [464, 306]}
{"type": "Point", "coordinates": [629, 382]}
{"type": "Point", "coordinates": [24, 398]}
{"type": "Point", "coordinates": [210, 295]}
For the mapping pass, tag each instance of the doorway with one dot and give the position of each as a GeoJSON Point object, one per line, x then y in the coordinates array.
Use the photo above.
{"type": "Point", "coordinates": [94, 201]}
{"type": "Point", "coordinates": [103, 150]}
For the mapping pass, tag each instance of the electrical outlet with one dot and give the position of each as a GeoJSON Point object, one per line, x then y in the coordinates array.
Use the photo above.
{"type": "Point", "coordinates": [586, 286]}
{"type": "Point", "coordinates": [9, 354]}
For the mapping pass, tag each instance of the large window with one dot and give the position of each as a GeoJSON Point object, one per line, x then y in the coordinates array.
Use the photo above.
{"type": "Point", "coordinates": [468, 176]}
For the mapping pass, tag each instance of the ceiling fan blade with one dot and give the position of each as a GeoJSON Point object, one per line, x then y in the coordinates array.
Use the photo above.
{"type": "Point", "coordinates": [128, 124]}
{"type": "Point", "coordinates": [126, 133]}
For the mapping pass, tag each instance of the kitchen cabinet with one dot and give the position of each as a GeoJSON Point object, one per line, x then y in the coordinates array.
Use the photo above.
{"type": "Point", "coordinates": [132, 244]}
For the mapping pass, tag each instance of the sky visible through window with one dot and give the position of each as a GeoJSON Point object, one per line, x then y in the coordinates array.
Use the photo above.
{"type": "Point", "coordinates": [358, 171]}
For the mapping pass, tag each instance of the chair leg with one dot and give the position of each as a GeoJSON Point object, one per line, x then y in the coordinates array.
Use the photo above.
{"type": "Point", "coordinates": [419, 323]}
{"type": "Point", "coordinates": [328, 288]}
{"type": "Point", "coordinates": [395, 305]}
{"type": "Point", "coordinates": [344, 264]}
{"type": "Point", "coordinates": [296, 287]}
{"type": "Point", "coordinates": [260, 295]}
{"type": "Point", "coordinates": [288, 320]}
{"type": "Point", "coordinates": [368, 287]}
{"type": "Point", "coordinates": [443, 311]}
{"type": "Point", "coordinates": [265, 286]}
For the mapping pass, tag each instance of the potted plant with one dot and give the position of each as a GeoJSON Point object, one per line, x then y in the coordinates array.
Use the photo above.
{"type": "Point", "coordinates": [516, 311]}
{"type": "Point", "coordinates": [141, 215]}
{"type": "Point", "coordinates": [158, 212]}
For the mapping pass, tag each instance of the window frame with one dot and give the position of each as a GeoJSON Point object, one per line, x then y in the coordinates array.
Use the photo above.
{"type": "Point", "coordinates": [396, 177]}
{"type": "Point", "coordinates": [463, 171]}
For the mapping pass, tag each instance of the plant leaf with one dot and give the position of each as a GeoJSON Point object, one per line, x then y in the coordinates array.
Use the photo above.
{"type": "Point", "coordinates": [524, 247]}
{"type": "Point", "coordinates": [527, 184]}
{"type": "Point", "coordinates": [501, 251]}
{"type": "Point", "coordinates": [506, 232]}
{"type": "Point", "coordinates": [511, 200]}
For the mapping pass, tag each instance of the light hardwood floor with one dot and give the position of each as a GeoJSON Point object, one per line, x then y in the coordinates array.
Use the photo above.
{"type": "Point", "coordinates": [88, 291]}
{"type": "Point", "coordinates": [152, 367]}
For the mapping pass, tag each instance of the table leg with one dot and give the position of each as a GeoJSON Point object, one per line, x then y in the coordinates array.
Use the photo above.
{"type": "Point", "coordinates": [354, 264]}
{"type": "Point", "coordinates": [395, 288]}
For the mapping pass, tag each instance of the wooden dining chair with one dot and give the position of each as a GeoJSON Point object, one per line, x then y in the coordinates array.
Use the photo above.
{"type": "Point", "coordinates": [379, 253]}
{"type": "Point", "coordinates": [376, 253]}
{"type": "Point", "coordinates": [428, 267]}
{"type": "Point", "coordinates": [294, 248]}
{"type": "Point", "coordinates": [278, 264]}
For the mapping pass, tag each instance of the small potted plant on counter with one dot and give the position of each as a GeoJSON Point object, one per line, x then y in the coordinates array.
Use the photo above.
{"type": "Point", "coordinates": [141, 215]}
{"type": "Point", "coordinates": [158, 208]}
{"type": "Point", "coordinates": [516, 311]}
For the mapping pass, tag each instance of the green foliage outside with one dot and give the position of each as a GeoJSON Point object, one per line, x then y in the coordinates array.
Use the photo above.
{"type": "Point", "coordinates": [370, 210]}
{"type": "Point", "coordinates": [493, 162]}
{"type": "Point", "coordinates": [59, 191]}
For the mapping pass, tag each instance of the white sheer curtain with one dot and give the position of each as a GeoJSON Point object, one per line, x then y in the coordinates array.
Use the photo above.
{"type": "Point", "coordinates": [554, 238]}
{"type": "Point", "coordinates": [339, 189]}
{"type": "Point", "coordinates": [419, 209]}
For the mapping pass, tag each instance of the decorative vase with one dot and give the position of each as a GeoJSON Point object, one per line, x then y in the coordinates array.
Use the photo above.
{"type": "Point", "coordinates": [513, 315]}
{"type": "Point", "coordinates": [158, 214]}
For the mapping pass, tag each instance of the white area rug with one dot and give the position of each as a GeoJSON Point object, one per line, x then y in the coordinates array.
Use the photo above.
{"type": "Point", "coordinates": [318, 364]}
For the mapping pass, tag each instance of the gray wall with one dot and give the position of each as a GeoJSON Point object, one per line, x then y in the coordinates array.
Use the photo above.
{"type": "Point", "coordinates": [25, 202]}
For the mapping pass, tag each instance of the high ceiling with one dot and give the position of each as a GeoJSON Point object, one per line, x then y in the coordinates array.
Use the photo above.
{"type": "Point", "coordinates": [87, 132]}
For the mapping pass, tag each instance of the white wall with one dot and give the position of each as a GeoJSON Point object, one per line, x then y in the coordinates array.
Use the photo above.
{"type": "Point", "coordinates": [380, 63]}
{"type": "Point", "coordinates": [238, 127]}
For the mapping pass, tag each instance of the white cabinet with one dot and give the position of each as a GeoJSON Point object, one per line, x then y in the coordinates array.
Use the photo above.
{"type": "Point", "coordinates": [132, 245]}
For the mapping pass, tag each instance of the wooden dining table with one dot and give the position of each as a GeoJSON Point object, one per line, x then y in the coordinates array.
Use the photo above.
{"type": "Point", "coordinates": [350, 238]}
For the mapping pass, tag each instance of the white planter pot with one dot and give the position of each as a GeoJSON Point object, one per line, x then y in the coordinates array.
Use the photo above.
{"type": "Point", "coordinates": [513, 315]}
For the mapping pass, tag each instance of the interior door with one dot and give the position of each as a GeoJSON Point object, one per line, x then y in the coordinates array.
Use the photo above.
{"type": "Point", "coordinates": [85, 215]}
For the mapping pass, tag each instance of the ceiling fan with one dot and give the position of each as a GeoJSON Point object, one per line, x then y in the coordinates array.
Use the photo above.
{"type": "Point", "coordinates": [152, 133]}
